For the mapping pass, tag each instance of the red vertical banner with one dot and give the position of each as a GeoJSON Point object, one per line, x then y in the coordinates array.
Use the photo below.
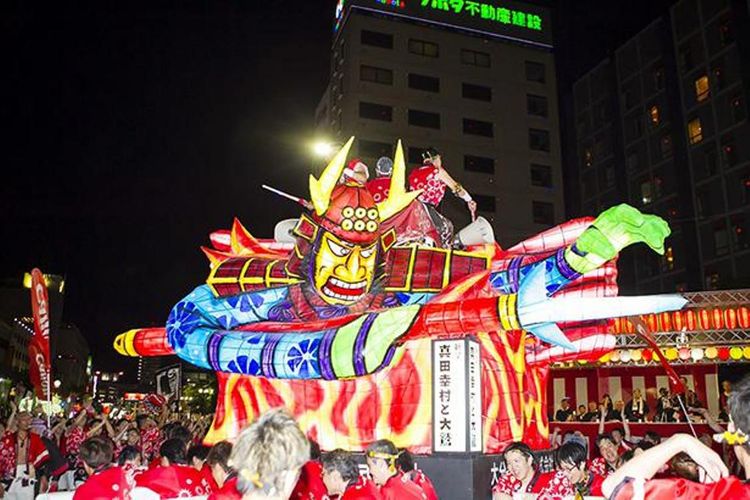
{"type": "Point", "coordinates": [40, 370]}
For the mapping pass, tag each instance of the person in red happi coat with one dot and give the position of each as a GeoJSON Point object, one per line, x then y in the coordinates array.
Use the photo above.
{"type": "Point", "coordinates": [105, 481]}
{"type": "Point", "coordinates": [342, 479]}
{"type": "Point", "coordinates": [394, 485]}
{"type": "Point", "coordinates": [174, 477]}
{"type": "Point", "coordinates": [224, 476]}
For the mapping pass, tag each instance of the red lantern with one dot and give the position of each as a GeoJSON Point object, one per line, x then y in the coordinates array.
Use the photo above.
{"type": "Point", "coordinates": [651, 322]}
{"type": "Point", "coordinates": [717, 319]}
{"type": "Point", "coordinates": [690, 320]}
{"type": "Point", "coordinates": [678, 320]}
{"type": "Point", "coordinates": [730, 318]}
{"type": "Point", "coordinates": [666, 322]}
{"type": "Point", "coordinates": [704, 319]}
{"type": "Point", "coordinates": [647, 354]}
{"type": "Point", "coordinates": [743, 317]}
{"type": "Point", "coordinates": [723, 353]}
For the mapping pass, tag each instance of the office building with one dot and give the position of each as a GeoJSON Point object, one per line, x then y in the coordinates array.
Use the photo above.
{"type": "Point", "coordinates": [476, 81]}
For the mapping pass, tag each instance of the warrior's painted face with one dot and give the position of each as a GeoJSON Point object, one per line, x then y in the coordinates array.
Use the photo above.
{"type": "Point", "coordinates": [343, 271]}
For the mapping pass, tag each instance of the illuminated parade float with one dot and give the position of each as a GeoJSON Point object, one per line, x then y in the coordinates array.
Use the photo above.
{"type": "Point", "coordinates": [366, 326]}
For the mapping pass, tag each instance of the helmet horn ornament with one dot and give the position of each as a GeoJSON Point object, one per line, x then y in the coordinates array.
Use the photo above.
{"type": "Point", "coordinates": [321, 189]}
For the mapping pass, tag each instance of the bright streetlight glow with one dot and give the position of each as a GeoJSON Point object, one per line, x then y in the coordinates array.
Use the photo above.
{"type": "Point", "coordinates": [322, 149]}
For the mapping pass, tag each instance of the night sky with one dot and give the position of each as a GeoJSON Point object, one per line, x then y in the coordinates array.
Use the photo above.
{"type": "Point", "coordinates": [132, 131]}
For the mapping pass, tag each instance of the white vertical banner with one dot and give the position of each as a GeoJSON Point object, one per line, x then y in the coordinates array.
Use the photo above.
{"type": "Point", "coordinates": [456, 396]}
{"type": "Point", "coordinates": [615, 389]}
{"type": "Point", "coordinates": [582, 391]}
{"type": "Point", "coordinates": [712, 393]}
{"type": "Point", "coordinates": [558, 390]}
{"type": "Point", "coordinates": [475, 396]}
{"type": "Point", "coordinates": [449, 395]}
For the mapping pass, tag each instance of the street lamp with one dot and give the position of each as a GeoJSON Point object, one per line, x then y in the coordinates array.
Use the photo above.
{"type": "Point", "coordinates": [322, 149]}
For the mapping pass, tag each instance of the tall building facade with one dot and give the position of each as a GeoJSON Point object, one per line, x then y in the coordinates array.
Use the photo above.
{"type": "Point", "coordinates": [662, 125]}
{"type": "Point", "coordinates": [476, 81]}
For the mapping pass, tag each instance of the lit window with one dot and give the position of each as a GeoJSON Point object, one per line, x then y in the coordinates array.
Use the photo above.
{"type": "Point", "coordinates": [647, 192]}
{"type": "Point", "coordinates": [588, 158]}
{"type": "Point", "coordinates": [654, 115]}
{"type": "Point", "coordinates": [701, 88]}
{"type": "Point", "coordinates": [669, 258]}
{"type": "Point", "coordinates": [695, 131]}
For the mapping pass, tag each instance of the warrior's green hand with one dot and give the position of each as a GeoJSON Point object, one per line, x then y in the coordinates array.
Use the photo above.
{"type": "Point", "coordinates": [613, 230]}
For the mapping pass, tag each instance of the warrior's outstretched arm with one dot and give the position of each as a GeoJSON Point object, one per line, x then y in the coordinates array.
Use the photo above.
{"type": "Point", "coordinates": [614, 229]}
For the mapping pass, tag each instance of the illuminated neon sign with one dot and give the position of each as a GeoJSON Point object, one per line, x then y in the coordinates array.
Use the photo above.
{"type": "Point", "coordinates": [507, 19]}
{"type": "Point", "coordinates": [470, 8]}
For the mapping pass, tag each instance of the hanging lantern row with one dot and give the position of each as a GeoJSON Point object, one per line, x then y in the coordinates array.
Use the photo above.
{"type": "Point", "coordinates": [688, 354]}
{"type": "Point", "coordinates": [716, 318]}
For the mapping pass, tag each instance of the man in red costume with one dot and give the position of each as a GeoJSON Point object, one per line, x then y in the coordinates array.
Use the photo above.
{"type": "Point", "coordinates": [381, 460]}
{"type": "Point", "coordinates": [523, 477]}
{"type": "Point", "coordinates": [174, 478]}
{"type": "Point", "coordinates": [21, 453]}
{"type": "Point", "coordinates": [224, 475]}
{"type": "Point", "coordinates": [310, 483]}
{"type": "Point", "coordinates": [409, 468]}
{"type": "Point", "coordinates": [342, 479]}
{"type": "Point", "coordinates": [380, 185]}
{"type": "Point", "coordinates": [609, 460]}
{"type": "Point", "coordinates": [634, 479]}
{"type": "Point", "coordinates": [105, 482]}
{"type": "Point", "coordinates": [571, 461]}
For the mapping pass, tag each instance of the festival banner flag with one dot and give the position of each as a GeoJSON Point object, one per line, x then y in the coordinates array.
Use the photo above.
{"type": "Point", "coordinates": [40, 369]}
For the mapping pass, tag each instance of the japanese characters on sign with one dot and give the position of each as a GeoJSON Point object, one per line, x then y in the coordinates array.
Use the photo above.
{"type": "Point", "coordinates": [501, 18]}
{"type": "Point", "coordinates": [475, 397]}
{"type": "Point", "coordinates": [457, 398]}
{"type": "Point", "coordinates": [499, 13]}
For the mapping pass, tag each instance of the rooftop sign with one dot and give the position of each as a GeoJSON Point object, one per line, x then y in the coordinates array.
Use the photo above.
{"type": "Point", "coordinates": [492, 18]}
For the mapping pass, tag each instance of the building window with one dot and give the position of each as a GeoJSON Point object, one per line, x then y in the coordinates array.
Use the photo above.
{"type": "Point", "coordinates": [647, 192]}
{"type": "Point", "coordinates": [609, 176]}
{"type": "Point", "coordinates": [536, 105]}
{"type": "Point", "coordinates": [659, 78]}
{"type": "Point", "coordinates": [375, 75]}
{"type": "Point", "coordinates": [374, 111]}
{"type": "Point", "coordinates": [631, 163]}
{"type": "Point", "coordinates": [668, 260]}
{"type": "Point", "coordinates": [721, 240]}
{"type": "Point", "coordinates": [686, 59]}
{"type": "Point", "coordinates": [695, 131]}
{"type": "Point", "coordinates": [712, 280]}
{"type": "Point", "coordinates": [725, 33]}
{"type": "Point", "coordinates": [475, 58]}
{"type": "Point", "coordinates": [423, 82]}
{"type": "Point", "coordinates": [543, 212]}
{"type": "Point", "coordinates": [665, 146]}
{"type": "Point", "coordinates": [728, 155]}
{"type": "Point", "coordinates": [588, 157]}
{"type": "Point", "coordinates": [535, 72]}
{"type": "Point", "coordinates": [374, 149]}
{"type": "Point", "coordinates": [477, 92]}
{"type": "Point", "coordinates": [739, 233]}
{"type": "Point", "coordinates": [414, 155]}
{"type": "Point", "coordinates": [710, 164]}
{"type": "Point", "coordinates": [424, 119]}
{"type": "Point", "coordinates": [376, 39]}
{"type": "Point", "coordinates": [479, 164]}
{"type": "Point", "coordinates": [541, 175]}
{"type": "Point", "coordinates": [738, 110]}
{"type": "Point", "coordinates": [539, 140]}
{"type": "Point", "coordinates": [702, 88]}
{"type": "Point", "coordinates": [653, 114]}
{"type": "Point", "coordinates": [718, 77]}
{"type": "Point", "coordinates": [484, 203]}
{"type": "Point", "coordinates": [478, 127]}
{"type": "Point", "coordinates": [423, 48]}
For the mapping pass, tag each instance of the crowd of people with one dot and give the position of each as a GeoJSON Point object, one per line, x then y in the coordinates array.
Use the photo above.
{"type": "Point", "coordinates": [622, 466]}
{"type": "Point", "coordinates": [669, 407]}
{"type": "Point", "coordinates": [158, 453]}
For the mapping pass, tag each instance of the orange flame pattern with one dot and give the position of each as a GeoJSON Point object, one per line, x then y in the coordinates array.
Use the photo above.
{"type": "Point", "coordinates": [395, 403]}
